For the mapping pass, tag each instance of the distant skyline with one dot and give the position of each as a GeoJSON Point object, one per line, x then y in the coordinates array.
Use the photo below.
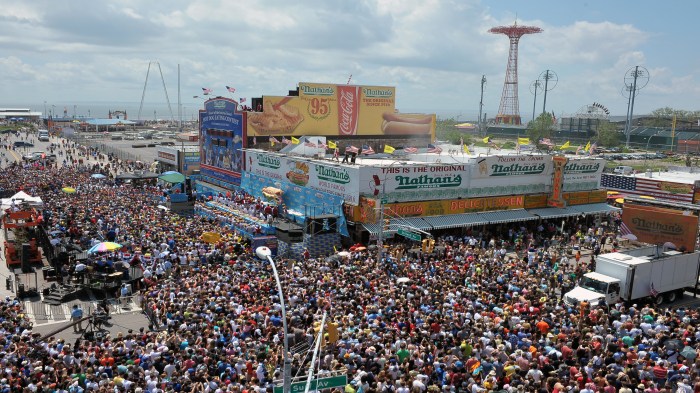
{"type": "Point", "coordinates": [95, 54]}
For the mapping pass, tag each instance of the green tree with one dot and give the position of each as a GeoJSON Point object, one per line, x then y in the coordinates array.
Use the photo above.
{"type": "Point", "coordinates": [542, 127]}
{"type": "Point", "coordinates": [607, 134]}
{"type": "Point", "coordinates": [445, 130]}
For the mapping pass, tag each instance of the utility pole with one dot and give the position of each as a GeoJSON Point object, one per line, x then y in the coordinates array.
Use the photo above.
{"type": "Point", "coordinates": [481, 103]}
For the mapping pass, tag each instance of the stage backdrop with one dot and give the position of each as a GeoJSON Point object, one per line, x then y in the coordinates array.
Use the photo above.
{"type": "Point", "coordinates": [221, 136]}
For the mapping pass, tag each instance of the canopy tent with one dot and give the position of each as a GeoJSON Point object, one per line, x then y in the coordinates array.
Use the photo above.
{"type": "Point", "coordinates": [19, 198]}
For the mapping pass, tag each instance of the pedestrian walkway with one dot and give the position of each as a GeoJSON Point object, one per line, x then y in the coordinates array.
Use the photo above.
{"type": "Point", "coordinates": [45, 314]}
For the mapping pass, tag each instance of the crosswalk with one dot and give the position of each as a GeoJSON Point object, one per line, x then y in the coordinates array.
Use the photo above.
{"type": "Point", "coordinates": [40, 313]}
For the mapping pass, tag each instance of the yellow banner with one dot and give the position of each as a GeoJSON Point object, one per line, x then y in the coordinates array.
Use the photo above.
{"type": "Point", "coordinates": [331, 110]}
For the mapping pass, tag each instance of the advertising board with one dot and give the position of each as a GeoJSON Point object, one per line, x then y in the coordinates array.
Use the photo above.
{"type": "Point", "coordinates": [337, 110]}
{"type": "Point", "coordinates": [417, 182]}
{"type": "Point", "coordinates": [656, 225]}
{"type": "Point", "coordinates": [511, 175]}
{"type": "Point", "coordinates": [167, 155]}
{"type": "Point", "coordinates": [221, 136]}
{"type": "Point", "coordinates": [583, 175]}
{"type": "Point", "coordinates": [333, 179]}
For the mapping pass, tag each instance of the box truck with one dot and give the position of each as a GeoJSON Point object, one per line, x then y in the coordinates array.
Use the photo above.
{"type": "Point", "coordinates": [647, 272]}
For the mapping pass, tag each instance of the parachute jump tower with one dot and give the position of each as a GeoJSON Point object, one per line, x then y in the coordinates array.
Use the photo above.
{"type": "Point", "coordinates": [509, 109]}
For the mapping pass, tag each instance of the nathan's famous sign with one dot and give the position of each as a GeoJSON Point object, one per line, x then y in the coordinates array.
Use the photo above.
{"type": "Point", "coordinates": [337, 110]}
{"type": "Point", "coordinates": [655, 225]}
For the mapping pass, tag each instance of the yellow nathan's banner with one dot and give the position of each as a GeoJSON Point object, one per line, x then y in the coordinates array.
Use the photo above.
{"type": "Point", "coordinates": [331, 110]}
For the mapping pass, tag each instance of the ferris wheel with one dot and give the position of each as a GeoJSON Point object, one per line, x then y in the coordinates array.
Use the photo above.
{"type": "Point", "coordinates": [593, 111]}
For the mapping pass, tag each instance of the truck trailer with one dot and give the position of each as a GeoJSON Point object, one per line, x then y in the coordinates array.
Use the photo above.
{"type": "Point", "coordinates": [643, 273]}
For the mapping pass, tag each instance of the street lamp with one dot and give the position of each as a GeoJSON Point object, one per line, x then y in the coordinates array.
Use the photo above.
{"type": "Point", "coordinates": [266, 253]}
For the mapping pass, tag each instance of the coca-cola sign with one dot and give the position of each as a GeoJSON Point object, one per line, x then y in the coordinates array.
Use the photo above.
{"type": "Point", "coordinates": [348, 109]}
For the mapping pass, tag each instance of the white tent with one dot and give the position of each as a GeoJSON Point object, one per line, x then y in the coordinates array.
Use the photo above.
{"type": "Point", "coordinates": [19, 198]}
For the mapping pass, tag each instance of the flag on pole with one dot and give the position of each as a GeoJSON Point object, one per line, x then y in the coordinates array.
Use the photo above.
{"type": "Point", "coordinates": [366, 149]}
{"type": "Point", "coordinates": [295, 141]}
{"type": "Point", "coordinates": [524, 141]}
{"type": "Point", "coordinates": [206, 91]}
{"type": "Point", "coordinates": [322, 145]}
{"type": "Point", "coordinates": [286, 141]}
{"type": "Point", "coordinates": [565, 146]}
{"type": "Point", "coordinates": [486, 140]}
{"type": "Point", "coordinates": [652, 291]}
{"type": "Point", "coordinates": [578, 149]}
{"type": "Point", "coordinates": [332, 145]}
{"type": "Point", "coordinates": [593, 147]}
{"type": "Point", "coordinates": [434, 149]}
{"type": "Point", "coordinates": [241, 100]}
{"type": "Point", "coordinates": [517, 148]}
{"type": "Point", "coordinates": [410, 150]}
{"type": "Point", "coordinates": [465, 149]}
{"type": "Point", "coordinates": [352, 149]}
{"type": "Point", "coordinates": [588, 146]}
{"type": "Point", "coordinates": [546, 142]}
{"type": "Point", "coordinates": [308, 143]}
{"type": "Point", "coordinates": [554, 118]}
{"type": "Point", "coordinates": [494, 145]}
{"type": "Point", "coordinates": [388, 149]}
{"type": "Point", "coordinates": [231, 89]}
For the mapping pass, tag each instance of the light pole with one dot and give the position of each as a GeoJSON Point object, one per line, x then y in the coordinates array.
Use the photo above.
{"type": "Point", "coordinates": [534, 86]}
{"type": "Point", "coordinates": [547, 76]}
{"type": "Point", "coordinates": [481, 104]}
{"type": "Point", "coordinates": [637, 80]}
{"type": "Point", "coordinates": [266, 253]}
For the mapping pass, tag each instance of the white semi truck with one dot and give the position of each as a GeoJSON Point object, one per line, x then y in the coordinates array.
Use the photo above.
{"type": "Point", "coordinates": [646, 272]}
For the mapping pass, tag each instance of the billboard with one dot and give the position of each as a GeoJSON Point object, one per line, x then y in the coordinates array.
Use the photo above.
{"type": "Point", "coordinates": [416, 182]}
{"type": "Point", "coordinates": [583, 175]}
{"type": "Point", "coordinates": [221, 136]}
{"type": "Point", "coordinates": [511, 175]}
{"type": "Point", "coordinates": [337, 110]}
{"type": "Point", "coordinates": [656, 225]}
{"type": "Point", "coordinates": [334, 179]}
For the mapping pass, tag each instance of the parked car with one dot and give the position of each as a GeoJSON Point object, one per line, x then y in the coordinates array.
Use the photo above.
{"type": "Point", "coordinates": [23, 144]}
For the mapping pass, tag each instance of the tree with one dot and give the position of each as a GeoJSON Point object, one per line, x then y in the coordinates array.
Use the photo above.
{"type": "Point", "coordinates": [445, 130]}
{"type": "Point", "coordinates": [607, 134]}
{"type": "Point", "coordinates": [542, 127]}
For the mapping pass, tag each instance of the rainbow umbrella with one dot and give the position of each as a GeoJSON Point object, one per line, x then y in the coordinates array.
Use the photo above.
{"type": "Point", "coordinates": [104, 247]}
{"type": "Point", "coordinates": [68, 190]}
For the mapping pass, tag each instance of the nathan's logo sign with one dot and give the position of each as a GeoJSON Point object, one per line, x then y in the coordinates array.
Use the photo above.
{"type": "Point", "coordinates": [651, 225]}
{"type": "Point", "coordinates": [675, 188]}
{"type": "Point", "coordinates": [427, 181]}
{"type": "Point", "coordinates": [268, 161]}
{"type": "Point", "coordinates": [517, 169]}
{"type": "Point", "coordinates": [574, 167]}
{"type": "Point", "coordinates": [317, 90]}
{"type": "Point", "coordinates": [377, 93]}
{"type": "Point", "coordinates": [335, 175]}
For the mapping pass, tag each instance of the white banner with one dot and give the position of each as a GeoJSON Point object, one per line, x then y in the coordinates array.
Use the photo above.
{"type": "Point", "coordinates": [583, 174]}
{"type": "Point", "coordinates": [332, 178]}
{"type": "Point", "coordinates": [418, 182]}
{"type": "Point", "coordinates": [511, 175]}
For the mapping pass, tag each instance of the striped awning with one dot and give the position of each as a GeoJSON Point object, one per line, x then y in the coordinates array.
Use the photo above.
{"type": "Point", "coordinates": [502, 216]}
{"type": "Point", "coordinates": [484, 218]}
{"type": "Point", "coordinates": [396, 223]}
{"type": "Point", "coordinates": [554, 212]}
{"type": "Point", "coordinates": [596, 208]}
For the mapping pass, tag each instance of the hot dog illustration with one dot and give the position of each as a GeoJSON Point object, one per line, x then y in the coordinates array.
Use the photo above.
{"type": "Point", "coordinates": [406, 124]}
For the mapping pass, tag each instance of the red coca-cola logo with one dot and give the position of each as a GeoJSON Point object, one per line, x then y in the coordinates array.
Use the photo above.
{"type": "Point", "coordinates": [348, 109]}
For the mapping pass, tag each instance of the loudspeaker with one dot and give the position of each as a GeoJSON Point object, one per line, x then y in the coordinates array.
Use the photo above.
{"type": "Point", "coordinates": [26, 254]}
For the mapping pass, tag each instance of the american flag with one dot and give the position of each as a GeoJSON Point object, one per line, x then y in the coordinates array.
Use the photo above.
{"type": "Point", "coordinates": [322, 145]}
{"type": "Point", "coordinates": [593, 147]}
{"type": "Point", "coordinates": [352, 149]}
{"type": "Point", "coordinates": [631, 185]}
{"type": "Point", "coordinates": [286, 141]}
{"type": "Point", "coordinates": [366, 149]}
{"type": "Point", "coordinates": [434, 149]}
{"type": "Point", "coordinates": [308, 143]}
{"type": "Point", "coordinates": [625, 230]}
{"type": "Point", "coordinates": [206, 91]}
{"type": "Point", "coordinates": [546, 142]}
{"type": "Point", "coordinates": [241, 100]}
{"type": "Point", "coordinates": [231, 89]}
{"type": "Point", "coordinates": [410, 150]}
{"type": "Point", "coordinates": [652, 291]}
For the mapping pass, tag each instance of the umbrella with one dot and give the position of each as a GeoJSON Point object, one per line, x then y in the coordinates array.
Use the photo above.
{"type": "Point", "coordinates": [104, 247]}
{"type": "Point", "coordinates": [689, 353]}
{"type": "Point", "coordinates": [343, 254]}
{"type": "Point", "coordinates": [620, 200]}
{"type": "Point", "coordinates": [210, 237]}
{"type": "Point", "coordinates": [68, 190]}
{"type": "Point", "coordinates": [673, 344]}
{"type": "Point", "coordinates": [98, 176]}
{"type": "Point", "coordinates": [403, 280]}
{"type": "Point", "coordinates": [172, 177]}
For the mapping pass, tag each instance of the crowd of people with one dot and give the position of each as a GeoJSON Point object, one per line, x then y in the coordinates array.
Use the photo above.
{"type": "Point", "coordinates": [482, 312]}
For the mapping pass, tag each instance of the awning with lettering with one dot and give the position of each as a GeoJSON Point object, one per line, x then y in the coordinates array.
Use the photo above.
{"type": "Point", "coordinates": [403, 223]}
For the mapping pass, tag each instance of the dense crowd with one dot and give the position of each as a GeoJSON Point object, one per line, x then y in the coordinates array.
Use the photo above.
{"type": "Point", "coordinates": [481, 313]}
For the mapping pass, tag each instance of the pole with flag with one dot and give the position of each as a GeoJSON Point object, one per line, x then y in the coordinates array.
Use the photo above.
{"type": "Point", "coordinates": [565, 146]}
{"type": "Point", "coordinates": [332, 145]}
{"type": "Point", "coordinates": [273, 140]}
{"type": "Point", "coordinates": [465, 149]}
{"type": "Point", "coordinates": [206, 91]}
{"type": "Point", "coordinates": [388, 149]}
{"type": "Point", "coordinates": [295, 141]}
{"type": "Point", "coordinates": [231, 90]}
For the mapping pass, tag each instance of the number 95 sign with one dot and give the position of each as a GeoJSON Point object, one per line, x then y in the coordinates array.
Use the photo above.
{"type": "Point", "coordinates": [319, 108]}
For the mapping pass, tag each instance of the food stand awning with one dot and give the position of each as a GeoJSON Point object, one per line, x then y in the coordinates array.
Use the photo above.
{"type": "Point", "coordinates": [555, 212]}
{"type": "Point", "coordinates": [596, 208]}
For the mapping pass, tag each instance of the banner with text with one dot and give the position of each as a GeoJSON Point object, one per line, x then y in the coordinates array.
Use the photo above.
{"type": "Point", "coordinates": [338, 180]}
{"type": "Point", "coordinates": [655, 225]}
{"type": "Point", "coordinates": [511, 175]}
{"type": "Point", "coordinates": [337, 110]}
{"type": "Point", "coordinates": [583, 175]}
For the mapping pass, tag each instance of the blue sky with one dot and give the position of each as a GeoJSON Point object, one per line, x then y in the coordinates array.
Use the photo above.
{"type": "Point", "coordinates": [87, 53]}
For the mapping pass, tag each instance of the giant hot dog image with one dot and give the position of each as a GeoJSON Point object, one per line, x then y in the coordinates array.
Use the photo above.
{"type": "Point", "coordinates": [406, 124]}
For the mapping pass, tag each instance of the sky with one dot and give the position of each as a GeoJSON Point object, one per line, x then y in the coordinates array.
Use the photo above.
{"type": "Point", "coordinates": [82, 53]}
